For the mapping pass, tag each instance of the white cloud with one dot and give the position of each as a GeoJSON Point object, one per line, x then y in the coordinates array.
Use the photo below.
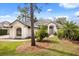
{"type": "Point", "coordinates": [11, 17]}
{"type": "Point", "coordinates": [67, 17]}
{"type": "Point", "coordinates": [1, 16]}
{"type": "Point", "coordinates": [50, 18]}
{"type": "Point", "coordinates": [49, 10]}
{"type": "Point", "coordinates": [69, 5]}
{"type": "Point", "coordinates": [7, 18]}
{"type": "Point", "coordinates": [61, 16]}
{"type": "Point", "coordinates": [77, 13]}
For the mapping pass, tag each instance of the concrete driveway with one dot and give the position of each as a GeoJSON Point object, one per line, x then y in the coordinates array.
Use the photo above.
{"type": "Point", "coordinates": [7, 38]}
{"type": "Point", "coordinates": [4, 36]}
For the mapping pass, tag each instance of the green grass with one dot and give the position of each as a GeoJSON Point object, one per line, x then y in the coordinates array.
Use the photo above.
{"type": "Point", "coordinates": [56, 49]}
{"type": "Point", "coordinates": [54, 39]}
{"type": "Point", "coordinates": [8, 48]}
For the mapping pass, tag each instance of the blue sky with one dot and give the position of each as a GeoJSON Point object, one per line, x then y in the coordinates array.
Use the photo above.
{"type": "Point", "coordinates": [9, 12]}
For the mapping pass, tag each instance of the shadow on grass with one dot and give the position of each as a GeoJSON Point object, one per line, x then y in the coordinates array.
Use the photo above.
{"type": "Point", "coordinates": [62, 52]}
{"type": "Point", "coordinates": [48, 41]}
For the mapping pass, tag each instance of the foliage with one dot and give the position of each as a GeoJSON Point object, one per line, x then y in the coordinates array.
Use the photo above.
{"type": "Point", "coordinates": [3, 32]}
{"type": "Point", "coordinates": [69, 31]}
{"type": "Point", "coordinates": [54, 39]}
{"type": "Point", "coordinates": [43, 27]}
{"type": "Point", "coordinates": [23, 13]}
{"type": "Point", "coordinates": [61, 20]}
{"type": "Point", "coordinates": [41, 33]}
{"type": "Point", "coordinates": [60, 33]}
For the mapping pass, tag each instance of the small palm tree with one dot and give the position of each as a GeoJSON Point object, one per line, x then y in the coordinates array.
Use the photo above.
{"type": "Point", "coordinates": [70, 30]}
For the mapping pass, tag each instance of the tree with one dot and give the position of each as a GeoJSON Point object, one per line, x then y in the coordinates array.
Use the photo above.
{"type": "Point", "coordinates": [69, 31]}
{"type": "Point", "coordinates": [24, 13]}
{"type": "Point", "coordinates": [61, 20]}
{"type": "Point", "coordinates": [32, 24]}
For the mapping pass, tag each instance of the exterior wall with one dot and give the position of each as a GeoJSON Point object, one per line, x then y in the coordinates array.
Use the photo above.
{"type": "Point", "coordinates": [53, 30]}
{"type": "Point", "coordinates": [29, 31]}
{"type": "Point", "coordinates": [16, 25]}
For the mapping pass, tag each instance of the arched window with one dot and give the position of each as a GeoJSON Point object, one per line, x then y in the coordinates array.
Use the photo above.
{"type": "Point", "coordinates": [18, 32]}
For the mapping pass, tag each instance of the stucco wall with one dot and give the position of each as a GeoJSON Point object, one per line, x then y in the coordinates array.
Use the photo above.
{"type": "Point", "coordinates": [29, 31]}
{"type": "Point", "coordinates": [53, 30]}
{"type": "Point", "coordinates": [16, 25]}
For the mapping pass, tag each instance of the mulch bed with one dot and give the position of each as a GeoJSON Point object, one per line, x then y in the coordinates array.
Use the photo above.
{"type": "Point", "coordinates": [76, 42]}
{"type": "Point", "coordinates": [40, 46]}
{"type": "Point", "coordinates": [72, 41]}
{"type": "Point", "coordinates": [26, 46]}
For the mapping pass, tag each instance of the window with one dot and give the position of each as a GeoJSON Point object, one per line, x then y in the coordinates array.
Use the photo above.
{"type": "Point", "coordinates": [18, 32]}
{"type": "Point", "coordinates": [3, 32]}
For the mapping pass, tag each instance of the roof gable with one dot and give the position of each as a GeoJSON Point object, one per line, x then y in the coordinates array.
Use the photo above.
{"type": "Point", "coordinates": [20, 22]}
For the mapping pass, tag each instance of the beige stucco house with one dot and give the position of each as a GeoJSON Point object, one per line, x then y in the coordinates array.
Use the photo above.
{"type": "Point", "coordinates": [19, 30]}
{"type": "Point", "coordinates": [22, 29]}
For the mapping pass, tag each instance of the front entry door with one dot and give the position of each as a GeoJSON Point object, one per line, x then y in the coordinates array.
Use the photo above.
{"type": "Point", "coordinates": [18, 32]}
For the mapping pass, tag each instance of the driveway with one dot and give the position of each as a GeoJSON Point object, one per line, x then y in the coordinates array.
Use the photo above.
{"type": "Point", "coordinates": [13, 40]}
{"type": "Point", "coordinates": [4, 36]}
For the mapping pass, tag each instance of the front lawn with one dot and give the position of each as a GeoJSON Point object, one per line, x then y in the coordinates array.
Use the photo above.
{"type": "Point", "coordinates": [64, 48]}
{"type": "Point", "coordinates": [8, 48]}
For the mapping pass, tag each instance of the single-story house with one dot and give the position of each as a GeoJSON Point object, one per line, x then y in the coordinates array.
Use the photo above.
{"type": "Point", "coordinates": [22, 29]}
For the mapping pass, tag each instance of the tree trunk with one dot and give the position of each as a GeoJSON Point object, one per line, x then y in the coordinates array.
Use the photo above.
{"type": "Point", "coordinates": [32, 24]}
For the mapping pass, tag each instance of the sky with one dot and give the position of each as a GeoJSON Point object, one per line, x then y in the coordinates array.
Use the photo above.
{"type": "Point", "coordinates": [9, 11]}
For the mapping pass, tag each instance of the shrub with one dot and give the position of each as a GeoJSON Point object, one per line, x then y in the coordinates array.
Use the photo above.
{"type": "Point", "coordinates": [69, 31]}
{"type": "Point", "coordinates": [76, 36]}
{"type": "Point", "coordinates": [54, 39]}
{"type": "Point", "coordinates": [60, 33]}
{"type": "Point", "coordinates": [41, 33]}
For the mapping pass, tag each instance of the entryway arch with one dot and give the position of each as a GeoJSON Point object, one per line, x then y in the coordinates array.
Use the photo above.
{"type": "Point", "coordinates": [52, 29]}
